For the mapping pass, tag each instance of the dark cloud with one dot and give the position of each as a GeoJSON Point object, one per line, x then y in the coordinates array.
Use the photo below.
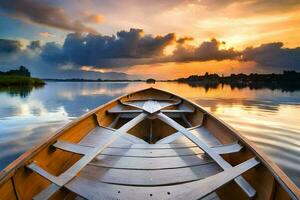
{"type": "Point", "coordinates": [52, 53]}
{"type": "Point", "coordinates": [208, 50]}
{"type": "Point", "coordinates": [273, 55]}
{"type": "Point", "coordinates": [184, 39]}
{"type": "Point", "coordinates": [34, 45]}
{"type": "Point", "coordinates": [98, 50]}
{"type": "Point", "coordinates": [9, 46]}
{"type": "Point", "coordinates": [37, 11]}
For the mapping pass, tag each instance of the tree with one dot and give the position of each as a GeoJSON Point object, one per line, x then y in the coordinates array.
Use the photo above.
{"type": "Point", "coordinates": [24, 71]}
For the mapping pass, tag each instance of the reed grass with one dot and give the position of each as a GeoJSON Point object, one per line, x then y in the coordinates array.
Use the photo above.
{"type": "Point", "coordinates": [13, 80]}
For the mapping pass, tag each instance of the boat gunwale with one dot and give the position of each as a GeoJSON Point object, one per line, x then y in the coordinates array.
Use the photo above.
{"type": "Point", "coordinates": [288, 185]}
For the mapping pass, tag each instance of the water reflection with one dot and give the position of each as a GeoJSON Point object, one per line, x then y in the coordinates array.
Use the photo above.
{"type": "Point", "coordinates": [22, 91]}
{"type": "Point", "coordinates": [284, 86]}
{"type": "Point", "coordinates": [270, 118]}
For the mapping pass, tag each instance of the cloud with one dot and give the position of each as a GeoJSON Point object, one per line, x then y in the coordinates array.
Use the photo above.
{"type": "Point", "coordinates": [98, 50]}
{"type": "Point", "coordinates": [34, 45]}
{"type": "Point", "coordinates": [184, 39]}
{"type": "Point", "coordinates": [94, 18]}
{"type": "Point", "coordinates": [207, 50]}
{"type": "Point", "coordinates": [52, 53]}
{"type": "Point", "coordinates": [39, 12]}
{"type": "Point", "coordinates": [100, 54]}
{"type": "Point", "coordinates": [273, 55]}
{"type": "Point", "coordinates": [47, 34]}
{"type": "Point", "coordinates": [10, 46]}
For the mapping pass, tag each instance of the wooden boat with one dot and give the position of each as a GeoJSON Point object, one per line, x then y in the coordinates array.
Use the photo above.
{"type": "Point", "coordinates": [149, 144]}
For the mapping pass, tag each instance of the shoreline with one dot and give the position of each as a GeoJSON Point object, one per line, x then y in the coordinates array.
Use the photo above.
{"type": "Point", "coordinates": [20, 81]}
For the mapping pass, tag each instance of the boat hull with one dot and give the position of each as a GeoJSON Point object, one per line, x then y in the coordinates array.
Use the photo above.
{"type": "Point", "coordinates": [150, 144]}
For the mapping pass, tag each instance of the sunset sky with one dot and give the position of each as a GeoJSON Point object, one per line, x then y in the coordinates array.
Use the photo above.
{"type": "Point", "coordinates": [140, 39]}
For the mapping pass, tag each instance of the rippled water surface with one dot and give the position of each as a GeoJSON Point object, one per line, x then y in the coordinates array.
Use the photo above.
{"type": "Point", "coordinates": [269, 118]}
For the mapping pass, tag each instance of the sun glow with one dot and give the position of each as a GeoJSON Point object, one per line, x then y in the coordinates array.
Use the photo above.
{"type": "Point", "coordinates": [93, 69]}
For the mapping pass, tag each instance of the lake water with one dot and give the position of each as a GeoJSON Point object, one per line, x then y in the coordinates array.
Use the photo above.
{"type": "Point", "coordinates": [269, 118]}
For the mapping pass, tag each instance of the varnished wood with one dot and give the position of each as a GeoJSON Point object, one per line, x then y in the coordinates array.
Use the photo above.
{"type": "Point", "coordinates": [147, 177]}
{"type": "Point", "coordinates": [93, 189]}
{"type": "Point", "coordinates": [73, 147]}
{"type": "Point", "coordinates": [175, 152]}
{"type": "Point", "coordinates": [120, 162]}
{"type": "Point", "coordinates": [71, 172]}
{"type": "Point", "coordinates": [47, 193]}
{"type": "Point", "coordinates": [224, 164]}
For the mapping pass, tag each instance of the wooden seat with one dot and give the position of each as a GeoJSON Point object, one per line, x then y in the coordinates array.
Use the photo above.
{"type": "Point", "coordinates": [155, 151]}
{"type": "Point", "coordinates": [91, 188]}
{"type": "Point", "coordinates": [146, 177]}
{"type": "Point", "coordinates": [151, 106]}
{"type": "Point", "coordinates": [149, 163]}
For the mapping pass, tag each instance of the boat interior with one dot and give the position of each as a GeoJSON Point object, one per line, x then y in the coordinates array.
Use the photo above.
{"type": "Point", "coordinates": [146, 145]}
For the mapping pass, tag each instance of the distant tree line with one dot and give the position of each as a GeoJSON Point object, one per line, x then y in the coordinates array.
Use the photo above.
{"type": "Point", "coordinates": [22, 71]}
{"type": "Point", "coordinates": [287, 76]}
{"type": "Point", "coordinates": [287, 81]}
{"type": "Point", "coordinates": [19, 78]}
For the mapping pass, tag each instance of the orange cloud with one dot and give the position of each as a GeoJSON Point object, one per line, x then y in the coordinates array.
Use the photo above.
{"type": "Point", "coordinates": [47, 34]}
{"type": "Point", "coordinates": [95, 18]}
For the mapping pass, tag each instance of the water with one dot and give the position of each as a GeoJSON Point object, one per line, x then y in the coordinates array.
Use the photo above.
{"type": "Point", "coordinates": [269, 118]}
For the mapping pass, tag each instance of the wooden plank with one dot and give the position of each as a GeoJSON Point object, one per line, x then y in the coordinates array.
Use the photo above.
{"type": "Point", "coordinates": [170, 138]}
{"type": "Point", "coordinates": [139, 104]}
{"type": "Point", "coordinates": [177, 111]}
{"type": "Point", "coordinates": [8, 190]}
{"type": "Point", "coordinates": [151, 146]}
{"type": "Point", "coordinates": [70, 173]}
{"type": "Point", "coordinates": [212, 196]}
{"type": "Point", "coordinates": [115, 111]}
{"type": "Point", "coordinates": [173, 137]}
{"type": "Point", "coordinates": [224, 164]}
{"type": "Point", "coordinates": [131, 115]}
{"type": "Point", "coordinates": [152, 153]}
{"type": "Point", "coordinates": [80, 198]}
{"type": "Point", "coordinates": [47, 193]}
{"type": "Point", "coordinates": [200, 132]}
{"type": "Point", "coordinates": [186, 121]}
{"type": "Point", "coordinates": [135, 104]}
{"type": "Point", "coordinates": [150, 177]}
{"type": "Point", "coordinates": [128, 115]}
{"type": "Point", "coordinates": [90, 188]}
{"type": "Point", "coordinates": [169, 152]}
{"type": "Point", "coordinates": [151, 106]}
{"type": "Point", "coordinates": [148, 152]}
{"type": "Point", "coordinates": [75, 148]}
{"type": "Point", "coordinates": [37, 169]}
{"type": "Point", "coordinates": [205, 135]}
{"type": "Point", "coordinates": [101, 134]}
{"type": "Point", "coordinates": [114, 122]}
{"type": "Point", "coordinates": [226, 149]}
{"type": "Point", "coordinates": [149, 163]}
{"type": "Point", "coordinates": [212, 183]}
